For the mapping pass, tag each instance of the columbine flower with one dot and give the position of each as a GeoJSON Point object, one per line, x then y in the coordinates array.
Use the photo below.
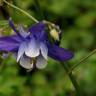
{"type": "Point", "coordinates": [33, 47]}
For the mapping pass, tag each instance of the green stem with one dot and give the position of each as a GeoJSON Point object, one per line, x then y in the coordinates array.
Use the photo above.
{"type": "Point", "coordinates": [72, 78]}
{"type": "Point", "coordinates": [82, 60]}
{"type": "Point", "coordinates": [31, 17]}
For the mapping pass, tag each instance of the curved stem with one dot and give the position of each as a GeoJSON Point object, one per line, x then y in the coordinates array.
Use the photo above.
{"type": "Point", "coordinates": [72, 78]}
{"type": "Point", "coordinates": [82, 60]}
{"type": "Point", "coordinates": [31, 17]}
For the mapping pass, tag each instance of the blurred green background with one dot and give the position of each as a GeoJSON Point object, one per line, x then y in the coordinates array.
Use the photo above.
{"type": "Point", "coordinates": [77, 20]}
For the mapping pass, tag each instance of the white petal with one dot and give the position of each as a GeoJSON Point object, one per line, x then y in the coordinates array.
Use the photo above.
{"type": "Point", "coordinates": [25, 62]}
{"type": "Point", "coordinates": [23, 32]}
{"type": "Point", "coordinates": [21, 50]}
{"type": "Point", "coordinates": [41, 62]}
{"type": "Point", "coordinates": [32, 49]}
{"type": "Point", "coordinates": [44, 50]}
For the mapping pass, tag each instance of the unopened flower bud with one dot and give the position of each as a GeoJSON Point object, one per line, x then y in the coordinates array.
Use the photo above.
{"type": "Point", "coordinates": [54, 34]}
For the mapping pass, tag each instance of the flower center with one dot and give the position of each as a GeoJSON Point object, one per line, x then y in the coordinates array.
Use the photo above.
{"type": "Point", "coordinates": [33, 61]}
{"type": "Point", "coordinates": [53, 29]}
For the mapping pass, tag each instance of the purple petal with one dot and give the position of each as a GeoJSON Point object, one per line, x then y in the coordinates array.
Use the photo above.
{"type": "Point", "coordinates": [58, 53]}
{"type": "Point", "coordinates": [38, 30]}
{"type": "Point", "coordinates": [23, 32]}
{"type": "Point", "coordinates": [13, 27]}
{"type": "Point", "coordinates": [9, 43]}
{"type": "Point", "coordinates": [12, 38]}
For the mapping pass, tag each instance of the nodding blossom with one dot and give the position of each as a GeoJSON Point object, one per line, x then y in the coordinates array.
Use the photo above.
{"type": "Point", "coordinates": [33, 47]}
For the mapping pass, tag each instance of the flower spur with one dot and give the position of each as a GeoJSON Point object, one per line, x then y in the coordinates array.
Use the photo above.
{"type": "Point", "coordinates": [33, 47]}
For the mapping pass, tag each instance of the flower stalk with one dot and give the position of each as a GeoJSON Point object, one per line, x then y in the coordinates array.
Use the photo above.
{"type": "Point", "coordinates": [19, 9]}
{"type": "Point", "coordinates": [82, 60]}
{"type": "Point", "coordinates": [72, 78]}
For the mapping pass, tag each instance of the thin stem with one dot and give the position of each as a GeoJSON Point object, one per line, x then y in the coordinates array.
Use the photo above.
{"type": "Point", "coordinates": [31, 17]}
{"type": "Point", "coordinates": [72, 78]}
{"type": "Point", "coordinates": [38, 9]}
{"type": "Point", "coordinates": [82, 60]}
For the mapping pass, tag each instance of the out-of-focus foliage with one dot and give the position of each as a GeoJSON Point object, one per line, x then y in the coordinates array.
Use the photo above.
{"type": "Point", "coordinates": [77, 19]}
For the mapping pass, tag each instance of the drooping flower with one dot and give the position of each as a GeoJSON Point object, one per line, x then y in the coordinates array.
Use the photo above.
{"type": "Point", "coordinates": [32, 48]}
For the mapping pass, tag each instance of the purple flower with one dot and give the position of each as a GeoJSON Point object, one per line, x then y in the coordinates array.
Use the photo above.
{"type": "Point", "coordinates": [32, 48]}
